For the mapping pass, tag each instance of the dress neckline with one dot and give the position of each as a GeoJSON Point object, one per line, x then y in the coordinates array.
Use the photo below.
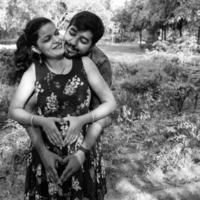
{"type": "Point", "coordinates": [65, 74]}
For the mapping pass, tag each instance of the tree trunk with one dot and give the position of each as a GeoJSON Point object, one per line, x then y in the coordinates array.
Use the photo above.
{"type": "Point", "coordinates": [165, 33]}
{"type": "Point", "coordinates": [198, 36]}
{"type": "Point", "coordinates": [162, 36]}
{"type": "Point", "coordinates": [180, 32]}
{"type": "Point", "coordinates": [180, 27]}
{"type": "Point", "coordinates": [140, 35]}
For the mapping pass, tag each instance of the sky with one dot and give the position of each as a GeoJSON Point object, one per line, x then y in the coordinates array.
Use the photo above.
{"type": "Point", "coordinates": [117, 3]}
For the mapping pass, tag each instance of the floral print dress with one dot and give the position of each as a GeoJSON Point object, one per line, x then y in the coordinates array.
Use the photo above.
{"type": "Point", "coordinates": [59, 95]}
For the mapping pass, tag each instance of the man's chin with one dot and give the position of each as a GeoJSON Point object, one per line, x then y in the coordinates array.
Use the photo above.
{"type": "Point", "coordinates": [77, 55]}
{"type": "Point", "coordinates": [70, 56]}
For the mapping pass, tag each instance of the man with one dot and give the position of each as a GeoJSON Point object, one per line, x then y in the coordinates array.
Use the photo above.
{"type": "Point", "coordinates": [83, 32]}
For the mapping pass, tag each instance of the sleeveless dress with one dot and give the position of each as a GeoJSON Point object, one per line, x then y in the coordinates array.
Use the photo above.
{"type": "Point", "coordinates": [59, 95]}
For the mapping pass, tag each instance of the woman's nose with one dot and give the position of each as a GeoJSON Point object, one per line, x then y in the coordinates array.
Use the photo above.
{"type": "Point", "coordinates": [73, 41]}
{"type": "Point", "coordinates": [58, 38]}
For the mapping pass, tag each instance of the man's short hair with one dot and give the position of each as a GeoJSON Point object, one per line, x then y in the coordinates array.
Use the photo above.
{"type": "Point", "coordinates": [88, 21]}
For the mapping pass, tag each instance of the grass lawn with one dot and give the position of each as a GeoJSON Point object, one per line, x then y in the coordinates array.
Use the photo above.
{"type": "Point", "coordinates": [123, 53]}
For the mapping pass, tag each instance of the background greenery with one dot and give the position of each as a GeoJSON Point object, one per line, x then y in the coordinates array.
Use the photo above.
{"type": "Point", "coordinates": [164, 19]}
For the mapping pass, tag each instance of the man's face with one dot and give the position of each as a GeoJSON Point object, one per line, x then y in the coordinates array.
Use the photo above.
{"type": "Point", "coordinates": [77, 43]}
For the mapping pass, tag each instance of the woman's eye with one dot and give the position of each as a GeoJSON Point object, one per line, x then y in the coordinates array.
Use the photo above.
{"type": "Point", "coordinates": [73, 33]}
{"type": "Point", "coordinates": [47, 39]}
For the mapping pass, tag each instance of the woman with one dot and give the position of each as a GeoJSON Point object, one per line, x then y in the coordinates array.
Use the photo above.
{"type": "Point", "coordinates": [63, 94]}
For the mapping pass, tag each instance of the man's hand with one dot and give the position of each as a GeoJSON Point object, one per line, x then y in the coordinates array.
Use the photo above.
{"type": "Point", "coordinates": [50, 161]}
{"type": "Point", "coordinates": [73, 164]}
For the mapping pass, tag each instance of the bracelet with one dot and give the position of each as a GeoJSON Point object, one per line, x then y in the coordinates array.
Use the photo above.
{"type": "Point", "coordinates": [84, 150]}
{"type": "Point", "coordinates": [31, 120]}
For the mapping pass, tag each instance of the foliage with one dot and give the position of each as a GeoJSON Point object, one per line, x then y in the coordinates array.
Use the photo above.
{"type": "Point", "coordinates": [15, 14]}
{"type": "Point", "coordinates": [7, 67]}
{"type": "Point", "coordinates": [186, 44]}
{"type": "Point", "coordinates": [159, 15]}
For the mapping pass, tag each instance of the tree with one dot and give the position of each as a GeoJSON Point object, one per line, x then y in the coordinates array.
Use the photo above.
{"type": "Point", "coordinates": [16, 13]}
{"type": "Point", "coordinates": [139, 16]}
{"type": "Point", "coordinates": [160, 13]}
{"type": "Point", "coordinates": [188, 12]}
{"type": "Point", "coordinates": [123, 19]}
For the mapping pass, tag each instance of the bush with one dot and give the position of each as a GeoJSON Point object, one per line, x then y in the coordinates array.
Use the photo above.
{"type": "Point", "coordinates": [7, 67]}
{"type": "Point", "coordinates": [6, 93]}
{"type": "Point", "coordinates": [161, 45]}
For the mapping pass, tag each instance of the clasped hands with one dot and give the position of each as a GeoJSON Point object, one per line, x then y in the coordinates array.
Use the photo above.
{"type": "Point", "coordinates": [72, 164]}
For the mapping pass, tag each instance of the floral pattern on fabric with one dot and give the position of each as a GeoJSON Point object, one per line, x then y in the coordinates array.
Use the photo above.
{"type": "Point", "coordinates": [60, 96]}
{"type": "Point", "coordinates": [52, 103]}
{"type": "Point", "coordinates": [72, 85]}
{"type": "Point", "coordinates": [38, 88]}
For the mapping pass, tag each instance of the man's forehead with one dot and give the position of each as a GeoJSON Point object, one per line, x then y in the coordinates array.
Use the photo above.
{"type": "Point", "coordinates": [86, 33]}
{"type": "Point", "coordinates": [79, 29]}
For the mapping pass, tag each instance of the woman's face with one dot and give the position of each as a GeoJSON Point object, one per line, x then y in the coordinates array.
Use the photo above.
{"type": "Point", "coordinates": [50, 43]}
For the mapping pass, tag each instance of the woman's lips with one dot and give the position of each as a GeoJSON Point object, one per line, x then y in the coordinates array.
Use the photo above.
{"type": "Point", "coordinates": [59, 46]}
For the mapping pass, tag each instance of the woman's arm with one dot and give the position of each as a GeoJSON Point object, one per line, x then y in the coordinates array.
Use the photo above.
{"type": "Point", "coordinates": [21, 96]}
{"type": "Point", "coordinates": [18, 113]}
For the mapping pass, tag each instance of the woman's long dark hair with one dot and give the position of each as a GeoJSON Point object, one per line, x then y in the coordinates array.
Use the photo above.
{"type": "Point", "coordinates": [24, 56]}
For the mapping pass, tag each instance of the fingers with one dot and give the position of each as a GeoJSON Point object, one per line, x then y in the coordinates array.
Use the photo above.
{"type": "Point", "coordinates": [67, 136]}
{"type": "Point", "coordinates": [71, 135]}
{"type": "Point", "coordinates": [52, 175]}
{"type": "Point", "coordinates": [59, 160]}
{"type": "Point", "coordinates": [56, 132]}
{"type": "Point", "coordinates": [57, 135]}
{"type": "Point", "coordinates": [66, 174]}
{"type": "Point", "coordinates": [72, 165]}
{"type": "Point", "coordinates": [66, 160]}
{"type": "Point", "coordinates": [52, 131]}
{"type": "Point", "coordinates": [51, 168]}
{"type": "Point", "coordinates": [53, 137]}
{"type": "Point", "coordinates": [56, 119]}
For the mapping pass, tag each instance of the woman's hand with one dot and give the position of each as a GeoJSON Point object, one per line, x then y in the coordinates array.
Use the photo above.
{"type": "Point", "coordinates": [71, 133]}
{"type": "Point", "coordinates": [49, 126]}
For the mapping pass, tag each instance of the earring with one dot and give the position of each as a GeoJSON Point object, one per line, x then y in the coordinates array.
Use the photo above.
{"type": "Point", "coordinates": [37, 51]}
{"type": "Point", "coordinates": [40, 58]}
